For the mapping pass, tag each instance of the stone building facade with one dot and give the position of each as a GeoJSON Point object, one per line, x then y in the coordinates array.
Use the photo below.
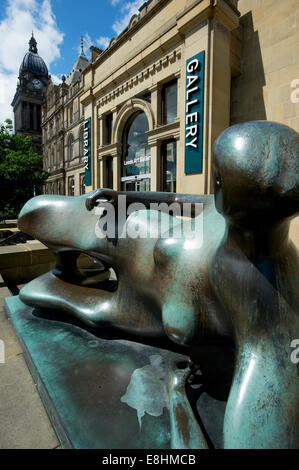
{"type": "Point", "coordinates": [62, 127]}
{"type": "Point", "coordinates": [159, 95]}
{"type": "Point", "coordinates": [249, 71]}
{"type": "Point", "coordinates": [157, 98]}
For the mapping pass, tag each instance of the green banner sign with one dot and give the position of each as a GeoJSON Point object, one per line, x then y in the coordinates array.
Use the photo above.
{"type": "Point", "coordinates": [87, 150]}
{"type": "Point", "coordinates": [194, 113]}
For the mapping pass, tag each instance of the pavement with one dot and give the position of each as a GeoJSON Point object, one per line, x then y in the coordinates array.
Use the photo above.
{"type": "Point", "coordinates": [24, 423]}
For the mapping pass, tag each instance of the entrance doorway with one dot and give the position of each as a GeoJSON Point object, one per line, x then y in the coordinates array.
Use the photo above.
{"type": "Point", "coordinates": [135, 183]}
{"type": "Point", "coordinates": [136, 158]}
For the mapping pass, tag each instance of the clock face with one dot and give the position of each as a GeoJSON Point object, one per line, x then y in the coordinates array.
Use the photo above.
{"type": "Point", "coordinates": [36, 83]}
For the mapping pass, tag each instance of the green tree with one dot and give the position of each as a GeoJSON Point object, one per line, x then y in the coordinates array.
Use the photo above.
{"type": "Point", "coordinates": [21, 170]}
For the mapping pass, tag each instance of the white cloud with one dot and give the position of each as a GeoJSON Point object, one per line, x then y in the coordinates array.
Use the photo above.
{"type": "Point", "coordinates": [128, 9]}
{"type": "Point", "coordinates": [21, 18]}
{"type": "Point", "coordinates": [55, 79]}
{"type": "Point", "coordinates": [87, 42]}
{"type": "Point", "coordinates": [103, 42]}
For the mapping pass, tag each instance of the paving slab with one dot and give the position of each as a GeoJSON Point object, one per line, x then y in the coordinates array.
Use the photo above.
{"type": "Point", "coordinates": [24, 423]}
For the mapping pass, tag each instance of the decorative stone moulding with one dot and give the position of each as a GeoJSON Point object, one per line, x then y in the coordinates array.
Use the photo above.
{"type": "Point", "coordinates": [152, 69]}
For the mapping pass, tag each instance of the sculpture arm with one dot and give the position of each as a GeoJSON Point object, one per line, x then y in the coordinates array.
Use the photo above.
{"type": "Point", "coordinates": [146, 198]}
{"type": "Point", "coordinates": [185, 430]}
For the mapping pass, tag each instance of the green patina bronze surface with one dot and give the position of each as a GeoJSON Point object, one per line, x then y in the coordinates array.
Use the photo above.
{"type": "Point", "coordinates": [230, 300]}
{"type": "Point", "coordinates": [84, 382]}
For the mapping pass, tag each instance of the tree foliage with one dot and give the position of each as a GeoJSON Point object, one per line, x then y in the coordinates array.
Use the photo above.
{"type": "Point", "coordinates": [21, 170]}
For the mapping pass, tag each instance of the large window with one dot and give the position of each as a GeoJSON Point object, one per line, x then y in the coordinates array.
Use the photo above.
{"type": "Point", "coordinates": [137, 155]}
{"type": "Point", "coordinates": [108, 128]}
{"type": "Point", "coordinates": [169, 102]}
{"type": "Point", "coordinates": [31, 112]}
{"type": "Point", "coordinates": [168, 155]}
{"type": "Point", "coordinates": [71, 113]}
{"type": "Point", "coordinates": [38, 117]}
{"type": "Point", "coordinates": [71, 147]}
{"type": "Point", "coordinates": [109, 172]}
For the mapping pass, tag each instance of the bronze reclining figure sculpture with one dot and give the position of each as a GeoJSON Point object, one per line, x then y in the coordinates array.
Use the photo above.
{"type": "Point", "coordinates": [238, 285]}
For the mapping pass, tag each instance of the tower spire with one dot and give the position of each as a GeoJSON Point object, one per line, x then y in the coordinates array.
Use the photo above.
{"type": "Point", "coordinates": [33, 44]}
{"type": "Point", "coordinates": [82, 50]}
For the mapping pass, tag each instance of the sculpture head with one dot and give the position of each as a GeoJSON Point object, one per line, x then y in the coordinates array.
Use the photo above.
{"type": "Point", "coordinates": [256, 172]}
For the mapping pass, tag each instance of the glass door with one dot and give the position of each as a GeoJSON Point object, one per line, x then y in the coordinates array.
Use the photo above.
{"type": "Point", "coordinates": [133, 184]}
{"type": "Point", "coordinates": [136, 157]}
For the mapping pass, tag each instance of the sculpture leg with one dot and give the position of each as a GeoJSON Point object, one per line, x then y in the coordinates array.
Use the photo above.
{"type": "Point", "coordinates": [185, 431]}
{"type": "Point", "coordinates": [262, 410]}
{"type": "Point", "coordinates": [92, 306]}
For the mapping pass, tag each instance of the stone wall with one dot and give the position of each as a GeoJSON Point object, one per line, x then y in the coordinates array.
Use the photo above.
{"type": "Point", "coordinates": [269, 63]}
{"type": "Point", "coordinates": [25, 261]}
{"type": "Point", "coordinates": [267, 85]}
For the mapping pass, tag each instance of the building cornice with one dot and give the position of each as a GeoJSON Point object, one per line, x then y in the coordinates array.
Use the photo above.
{"type": "Point", "coordinates": [148, 71]}
{"type": "Point", "coordinates": [221, 10]}
{"type": "Point", "coordinates": [166, 131]}
{"type": "Point", "coordinates": [109, 150]}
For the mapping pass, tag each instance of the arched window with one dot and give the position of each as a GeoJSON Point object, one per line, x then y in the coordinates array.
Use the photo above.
{"type": "Point", "coordinates": [136, 159]}
{"type": "Point", "coordinates": [71, 147]}
{"type": "Point", "coordinates": [71, 186]}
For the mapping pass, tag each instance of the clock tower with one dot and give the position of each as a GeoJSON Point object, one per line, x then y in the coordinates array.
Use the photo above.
{"type": "Point", "coordinates": [30, 94]}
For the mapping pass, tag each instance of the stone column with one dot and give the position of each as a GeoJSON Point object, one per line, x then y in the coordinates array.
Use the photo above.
{"type": "Point", "coordinates": [116, 154]}
{"type": "Point", "coordinates": [155, 165]}
{"type": "Point", "coordinates": [101, 166]}
{"type": "Point", "coordinates": [114, 115]}
{"type": "Point", "coordinates": [77, 184]}
{"type": "Point", "coordinates": [156, 102]}
{"type": "Point", "coordinates": [100, 130]}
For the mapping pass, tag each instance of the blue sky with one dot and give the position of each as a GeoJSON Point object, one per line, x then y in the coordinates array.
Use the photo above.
{"type": "Point", "coordinates": [57, 27]}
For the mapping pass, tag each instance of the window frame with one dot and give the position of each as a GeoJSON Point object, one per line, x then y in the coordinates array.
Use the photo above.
{"type": "Point", "coordinates": [163, 101]}
{"type": "Point", "coordinates": [163, 153]}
